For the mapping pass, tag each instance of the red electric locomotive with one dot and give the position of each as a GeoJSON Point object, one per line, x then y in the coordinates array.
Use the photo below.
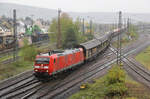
{"type": "Point", "coordinates": [57, 61]}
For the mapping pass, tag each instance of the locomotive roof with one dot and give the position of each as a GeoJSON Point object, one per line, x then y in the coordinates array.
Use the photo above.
{"type": "Point", "coordinates": [68, 51]}
{"type": "Point", "coordinates": [61, 53]}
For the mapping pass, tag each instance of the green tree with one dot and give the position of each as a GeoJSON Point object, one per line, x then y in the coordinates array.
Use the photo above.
{"type": "Point", "coordinates": [28, 52]}
{"type": "Point", "coordinates": [70, 38]}
{"type": "Point", "coordinates": [66, 22]}
{"type": "Point", "coordinates": [53, 31]}
{"type": "Point", "coordinates": [115, 82]}
{"type": "Point", "coordinates": [68, 25]}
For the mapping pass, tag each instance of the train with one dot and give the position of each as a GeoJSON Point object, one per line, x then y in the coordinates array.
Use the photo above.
{"type": "Point", "coordinates": [8, 42]}
{"type": "Point", "coordinates": [54, 62]}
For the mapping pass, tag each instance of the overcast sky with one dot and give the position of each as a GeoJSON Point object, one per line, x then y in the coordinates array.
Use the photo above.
{"type": "Point", "coordinates": [134, 6]}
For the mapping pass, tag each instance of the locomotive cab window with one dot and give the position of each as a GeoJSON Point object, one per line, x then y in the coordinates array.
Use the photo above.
{"type": "Point", "coordinates": [42, 60]}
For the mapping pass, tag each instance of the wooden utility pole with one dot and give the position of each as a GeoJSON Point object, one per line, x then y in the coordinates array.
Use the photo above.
{"type": "Point", "coordinates": [59, 31]}
{"type": "Point", "coordinates": [15, 35]}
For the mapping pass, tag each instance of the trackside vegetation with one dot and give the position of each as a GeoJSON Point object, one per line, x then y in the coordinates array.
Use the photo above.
{"type": "Point", "coordinates": [115, 85]}
{"type": "Point", "coordinates": [144, 57]}
{"type": "Point", "coordinates": [129, 36]}
{"type": "Point", "coordinates": [28, 52]}
{"type": "Point", "coordinates": [71, 36]}
{"type": "Point", "coordinates": [12, 69]}
{"type": "Point", "coordinates": [71, 33]}
{"type": "Point", "coordinates": [25, 62]}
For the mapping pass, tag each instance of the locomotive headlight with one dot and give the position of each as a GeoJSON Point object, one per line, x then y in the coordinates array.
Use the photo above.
{"type": "Point", "coordinates": [36, 70]}
{"type": "Point", "coordinates": [36, 66]}
{"type": "Point", "coordinates": [46, 67]}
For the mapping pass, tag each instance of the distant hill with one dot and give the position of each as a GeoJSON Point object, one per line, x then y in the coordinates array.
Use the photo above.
{"type": "Point", "coordinates": [23, 11]}
{"type": "Point", "coordinates": [48, 14]}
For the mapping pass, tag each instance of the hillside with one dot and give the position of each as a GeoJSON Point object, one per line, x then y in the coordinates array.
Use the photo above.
{"type": "Point", "coordinates": [48, 14]}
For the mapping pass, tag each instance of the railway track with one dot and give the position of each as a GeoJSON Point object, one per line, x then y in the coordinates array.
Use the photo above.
{"type": "Point", "coordinates": [22, 85]}
{"type": "Point", "coordinates": [12, 91]}
{"type": "Point", "coordinates": [10, 51]}
{"type": "Point", "coordinates": [12, 84]}
{"type": "Point", "coordinates": [77, 80]}
{"type": "Point", "coordinates": [15, 79]}
{"type": "Point", "coordinates": [63, 85]}
{"type": "Point", "coordinates": [68, 83]}
{"type": "Point", "coordinates": [36, 90]}
{"type": "Point", "coordinates": [17, 86]}
{"type": "Point", "coordinates": [137, 71]}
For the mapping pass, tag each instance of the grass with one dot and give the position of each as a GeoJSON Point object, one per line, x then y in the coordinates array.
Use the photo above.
{"type": "Point", "coordinates": [97, 90]}
{"type": "Point", "coordinates": [12, 69]}
{"type": "Point", "coordinates": [144, 57]}
{"type": "Point", "coordinates": [5, 58]}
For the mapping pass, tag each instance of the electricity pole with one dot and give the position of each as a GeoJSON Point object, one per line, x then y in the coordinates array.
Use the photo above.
{"type": "Point", "coordinates": [119, 39]}
{"type": "Point", "coordinates": [59, 30]}
{"type": "Point", "coordinates": [120, 26]}
{"type": "Point", "coordinates": [15, 35]}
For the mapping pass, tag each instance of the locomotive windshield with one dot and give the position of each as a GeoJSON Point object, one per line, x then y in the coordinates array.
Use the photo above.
{"type": "Point", "coordinates": [42, 60]}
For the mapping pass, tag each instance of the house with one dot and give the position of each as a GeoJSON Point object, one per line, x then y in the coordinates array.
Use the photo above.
{"type": "Point", "coordinates": [20, 27]}
{"type": "Point", "coordinates": [2, 32]}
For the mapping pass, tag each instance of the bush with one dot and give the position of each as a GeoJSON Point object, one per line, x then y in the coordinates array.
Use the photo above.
{"type": "Point", "coordinates": [115, 75]}
{"type": "Point", "coordinates": [117, 89]}
{"type": "Point", "coordinates": [115, 82]}
{"type": "Point", "coordinates": [29, 53]}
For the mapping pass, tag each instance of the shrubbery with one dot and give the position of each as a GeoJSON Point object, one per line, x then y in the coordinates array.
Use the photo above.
{"type": "Point", "coordinates": [115, 82]}
{"type": "Point", "coordinates": [111, 86]}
